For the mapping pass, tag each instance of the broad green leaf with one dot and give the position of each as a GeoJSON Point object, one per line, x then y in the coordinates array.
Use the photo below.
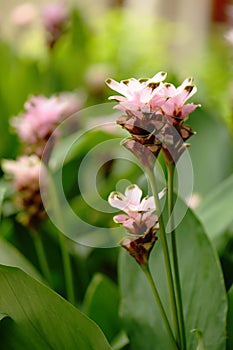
{"type": "Point", "coordinates": [10, 256]}
{"type": "Point", "coordinates": [101, 304]}
{"type": "Point", "coordinates": [215, 211]}
{"type": "Point", "coordinates": [203, 289]}
{"type": "Point", "coordinates": [230, 320]}
{"type": "Point", "coordinates": [41, 319]}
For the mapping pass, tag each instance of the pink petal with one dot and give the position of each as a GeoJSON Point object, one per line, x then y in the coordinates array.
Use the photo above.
{"type": "Point", "coordinates": [119, 87]}
{"type": "Point", "coordinates": [120, 218]}
{"type": "Point", "coordinates": [189, 108]}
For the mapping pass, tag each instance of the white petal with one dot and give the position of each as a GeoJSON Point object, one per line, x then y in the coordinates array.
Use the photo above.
{"type": "Point", "coordinates": [162, 193]}
{"type": "Point", "coordinates": [118, 200]}
{"type": "Point", "coordinates": [147, 204]}
{"type": "Point", "coordinates": [133, 194]}
{"type": "Point", "coordinates": [157, 78]}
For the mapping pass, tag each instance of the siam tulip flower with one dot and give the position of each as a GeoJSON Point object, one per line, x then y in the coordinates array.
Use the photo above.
{"type": "Point", "coordinates": [138, 220]}
{"type": "Point", "coordinates": [54, 17]}
{"type": "Point", "coordinates": [154, 113]}
{"type": "Point", "coordinates": [25, 175]}
{"type": "Point", "coordinates": [35, 126]}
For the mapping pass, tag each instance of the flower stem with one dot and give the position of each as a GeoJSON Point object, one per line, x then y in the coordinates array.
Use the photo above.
{"type": "Point", "coordinates": [146, 270]}
{"type": "Point", "coordinates": [163, 238]}
{"type": "Point", "coordinates": [170, 171]}
{"type": "Point", "coordinates": [62, 239]}
{"type": "Point", "coordinates": [41, 256]}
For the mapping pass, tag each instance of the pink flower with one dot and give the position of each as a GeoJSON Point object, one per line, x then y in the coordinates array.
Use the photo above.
{"type": "Point", "coordinates": [25, 171]}
{"type": "Point", "coordinates": [138, 218]}
{"type": "Point", "coordinates": [41, 116]}
{"type": "Point", "coordinates": [25, 174]}
{"type": "Point", "coordinates": [154, 115]}
{"type": "Point", "coordinates": [54, 16]}
{"type": "Point", "coordinates": [137, 94]}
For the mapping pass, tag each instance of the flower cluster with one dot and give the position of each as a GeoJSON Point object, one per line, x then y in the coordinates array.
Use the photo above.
{"type": "Point", "coordinates": [25, 173]}
{"type": "Point", "coordinates": [138, 220]}
{"type": "Point", "coordinates": [36, 125]}
{"type": "Point", "coordinates": [155, 112]}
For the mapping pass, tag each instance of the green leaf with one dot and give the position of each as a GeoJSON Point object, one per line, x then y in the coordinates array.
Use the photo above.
{"type": "Point", "coordinates": [2, 193]}
{"type": "Point", "coordinates": [230, 320]}
{"type": "Point", "coordinates": [215, 211]}
{"type": "Point", "coordinates": [101, 304]}
{"type": "Point", "coordinates": [41, 319]}
{"type": "Point", "coordinates": [10, 256]}
{"type": "Point", "coordinates": [203, 289]}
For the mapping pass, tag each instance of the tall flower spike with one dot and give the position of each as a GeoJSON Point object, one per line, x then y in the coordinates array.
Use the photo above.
{"type": "Point", "coordinates": [138, 220]}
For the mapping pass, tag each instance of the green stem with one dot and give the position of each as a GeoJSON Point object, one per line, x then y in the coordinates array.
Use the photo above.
{"type": "Point", "coordinates": [62, 239]}
{"type": "Point", "coordinates": [146, 270]}
{"type": "Point", "coordinates": [170, 171]}
{"type": "Point", "coordinates": [163, 238]}
{"type": "Point", "coordinates": [41, 256]}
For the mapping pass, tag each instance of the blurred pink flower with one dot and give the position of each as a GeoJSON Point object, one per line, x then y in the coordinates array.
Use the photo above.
{"type": "Point", "coordinates": [54, 16]}
{"type": "Point", "coordinates": [137, 94]}
{"type": "Point", "coordinates": [138, 218]}
{"type": "Point", "coordinates": [35, 126]}
{"type": "Point", "coordinates": [25, 175]}
{"type": "Point", "coordinates": [25, 171]}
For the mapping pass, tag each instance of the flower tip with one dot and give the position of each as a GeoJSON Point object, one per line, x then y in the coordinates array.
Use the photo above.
{"type": "Point", "coordinates": [108, 81]}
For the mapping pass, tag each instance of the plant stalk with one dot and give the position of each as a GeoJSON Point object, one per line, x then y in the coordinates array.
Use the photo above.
{"type": "Point", "coordinates": [170, 171]}
{"type": "Point", "coordinates": [62, 239]}
{"type": "Point", "coordinates": [41, 256]}
{"type": "Point", "coordinates": [167, 261]}
{"type": "Point", "coordinates": [149, 277]}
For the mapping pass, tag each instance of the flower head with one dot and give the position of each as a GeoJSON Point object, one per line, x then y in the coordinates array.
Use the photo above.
{"type": "Point", "coordinates": [35, 126]}
{"type": "Point", "coordinates": [138, 220]}
{"type": "Point", "coordinates": [138, 217]}
{"type": "Point", "coordinates": [155, 112]}
{"type": "Point", "coordinates": [25, 175]}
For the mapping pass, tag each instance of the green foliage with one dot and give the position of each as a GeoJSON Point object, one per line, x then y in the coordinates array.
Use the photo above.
{"type": "Point", "coordinates": [62, 326]}
{"type": "Point", "coordinates": [215, 210]}
{"type": "Point", "coordinates": [101, 305]}
{"type": "Point", "coordinates": [203, 291]}
{"type": "Point", "coordinates": [230, 320]}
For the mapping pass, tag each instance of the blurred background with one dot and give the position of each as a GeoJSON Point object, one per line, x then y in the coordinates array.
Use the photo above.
{"type": "Point", "coordinates": [74, 46]}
